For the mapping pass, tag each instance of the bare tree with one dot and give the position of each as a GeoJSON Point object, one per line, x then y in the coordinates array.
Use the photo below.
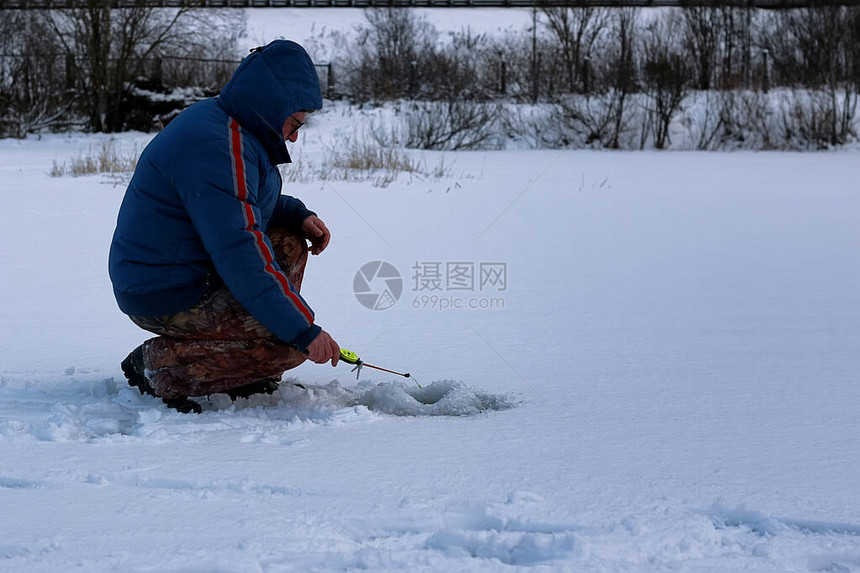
{"type": "Point", "coordinates": [602, 116]}
{"type": "Point", "coordinates": [622, 73]}
{"type": "Point", "coordinates": [813, 46]}
{"type": "Point", "coordinates": [575, 30]}
{"type": "Point", "coordinates": [111, 45]}
{"type": "Point", "coordinates": [665, 78]}
{"type": "Point", "coordinates": [32, 78]}
{"type": "Point", "coordinates": [701, 39]}
{"type": "Point", "coordinates": [729, 39]}
{"type": "Point", "coordinates": [465, 68]}
{"type": "Point", "coordinates": [388, 57]}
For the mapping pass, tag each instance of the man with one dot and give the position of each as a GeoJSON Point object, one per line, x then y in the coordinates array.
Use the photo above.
{"type": "Point", "coordinates": [208, 254]}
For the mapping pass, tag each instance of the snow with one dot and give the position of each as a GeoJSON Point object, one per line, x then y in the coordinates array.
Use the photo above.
{"type": "Point", "coordinates": [669, 382]}
{"type": "Point", "coordinates": [669, 385]}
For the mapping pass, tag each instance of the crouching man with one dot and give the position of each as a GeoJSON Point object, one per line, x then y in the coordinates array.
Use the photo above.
{"type": "Point", "coordinates": [208, 254]}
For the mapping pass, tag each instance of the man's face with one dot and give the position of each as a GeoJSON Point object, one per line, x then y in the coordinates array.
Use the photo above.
{"type": "Point", "coordinates": [292, 125]}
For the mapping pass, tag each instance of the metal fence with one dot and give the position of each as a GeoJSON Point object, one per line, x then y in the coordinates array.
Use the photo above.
{"type": "Point", "coordinates": [64, 70]}
{"type": "Point", "coordinates": [769, 4]}
{"type": "Point", "coordinates": [41, 90]}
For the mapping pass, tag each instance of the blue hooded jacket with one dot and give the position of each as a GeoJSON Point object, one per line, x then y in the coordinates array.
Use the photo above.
{"type": "Point", "coordinates": [204, 193]}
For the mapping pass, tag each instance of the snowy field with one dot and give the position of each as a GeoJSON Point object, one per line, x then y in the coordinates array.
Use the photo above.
{"type": "Point", "coordinates": [670, 385]}
{"type": "Point", "coordinates": [660, 374]}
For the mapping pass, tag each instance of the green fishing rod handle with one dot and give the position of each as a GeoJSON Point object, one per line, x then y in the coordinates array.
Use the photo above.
{"type": "Point", "coordinates": [349, 356]}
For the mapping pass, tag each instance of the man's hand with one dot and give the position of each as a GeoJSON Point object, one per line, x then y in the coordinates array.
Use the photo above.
{"type": "Point", "coordinates": [323, 349]}
{"type": "Point", "coordinates": [317, 233]}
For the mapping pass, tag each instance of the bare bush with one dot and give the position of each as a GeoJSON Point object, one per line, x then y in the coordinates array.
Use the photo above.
{"type": "Point", "coordinates": [826, 43]}
{"type": "Point", "coordinates": [731, 119]}
{"type": "Point", "coordinates": [748, 121]}
{"type": "Point", "coordinates": [576, 121]}
{"type": "Point", "coordinates": [530, 126]}
{"type": "Point", "coordinates": [703, 121]}
{"type": "Point", "coordinates": [399, 55]}
{"type": "Point", "coordinates": [818, 119]}
{"type": "Point", "coordinates": [588, 120]}
{"type": "Point", "coordinates": [450, 125]}
{"type": "Point", "coordinates": [465, 68]}
{"type": "Point", "coordinates": [389, 56]}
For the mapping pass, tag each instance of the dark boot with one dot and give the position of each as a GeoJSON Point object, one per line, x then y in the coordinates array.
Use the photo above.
{"type": "Point", "coordinates": [183, 405]}
{"type": "Point", "coordinates": [264, 386]}
{"type": "Point", "coordinates": [135, 373]}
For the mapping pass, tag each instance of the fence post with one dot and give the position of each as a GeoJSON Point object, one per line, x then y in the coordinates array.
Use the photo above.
{"type": "Point", "coordinates": [70, 72]}
{"type": "Point", "coordinates": [51, 71]}
{"type": "Point", "coordinates": [747, 62]}
{"type": "Point", "coordinates": [536, 78]}
{"type": "Point", "coordinates": [158, 71]}
{"type": "Point", "coordinates": [503, 80]}
{"type": "Point", "coordinates": [28, 98]}
{"type": "Point", "coordinates": [765, 84]}
{"type": "Point", "coordinates": [535, 55]}
{"type": "Point", "coordinates": [586, 70]}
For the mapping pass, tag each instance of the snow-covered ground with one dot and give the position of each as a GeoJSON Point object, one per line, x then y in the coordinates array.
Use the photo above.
{"type": "Point", "coordinates": [665, 377]}
{"type": "Point", "coordinates": [668, 379]}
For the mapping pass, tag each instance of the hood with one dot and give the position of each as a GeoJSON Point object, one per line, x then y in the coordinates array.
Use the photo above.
{"type": "Point", "coordinates": [271, 84]}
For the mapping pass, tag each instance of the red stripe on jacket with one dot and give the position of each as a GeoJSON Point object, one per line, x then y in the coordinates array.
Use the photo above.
{"type": "Point", "coordinates": [251, 222]}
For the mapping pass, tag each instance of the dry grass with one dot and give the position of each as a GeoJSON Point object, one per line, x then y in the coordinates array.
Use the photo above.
{"type": "Point", "coordinates": [106, 160]}
{"type": "Point", "coordinates": [367, 157]}
{"type": "Point", "coordinates": [363, 160]}
{"type": "Point", "coordinates": [356, 161]}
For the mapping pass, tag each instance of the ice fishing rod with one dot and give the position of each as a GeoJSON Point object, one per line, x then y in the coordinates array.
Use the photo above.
{"type": "Point", "coordinates": [351, 357]}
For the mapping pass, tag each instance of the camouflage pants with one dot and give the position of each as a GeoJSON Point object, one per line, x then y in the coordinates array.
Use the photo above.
{"type": "Point", "coordinates": [216, 344]}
